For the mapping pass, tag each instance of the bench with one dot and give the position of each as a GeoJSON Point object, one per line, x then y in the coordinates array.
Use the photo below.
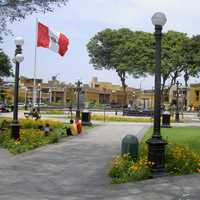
{"type": "Point", "coordinates": [30, 114]}
{"type": "Point", "coordinates": [141, 113]}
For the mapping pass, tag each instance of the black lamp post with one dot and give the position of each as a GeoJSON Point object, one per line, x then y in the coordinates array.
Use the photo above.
{"type": "Point", "coordinates": [177, 118]}
{"type": "Point", "coordinates": [78, 90]}
{"type": "Point", "coordinates": [15, 126]}
{"type": "Point", "coordinates": [156, 145]}
{"type": "Point", "coordinates": [186, 78]}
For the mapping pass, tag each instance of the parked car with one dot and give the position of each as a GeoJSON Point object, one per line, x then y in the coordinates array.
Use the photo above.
{"type": "Point", "coordinates": [115, 105]}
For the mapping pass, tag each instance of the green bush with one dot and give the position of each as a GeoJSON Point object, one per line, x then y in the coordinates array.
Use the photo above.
{"type": "Point", "coordinates": [54, 137]}
{"type": "Point", "coordinates": [4, 123]}
{"type": "Point", "coordinates": [53, 112]}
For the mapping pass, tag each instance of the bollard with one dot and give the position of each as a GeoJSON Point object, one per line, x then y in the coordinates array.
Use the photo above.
{"type": "Point", "coordinates": [130, 146]}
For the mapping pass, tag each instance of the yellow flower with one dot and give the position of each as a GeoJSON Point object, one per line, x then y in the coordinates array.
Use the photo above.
{"type": "Point", "coordinates": [17, 142]}
{"type": "Point", "coordinates": [198, 170]}
{"type": "Point", "coordinates": [135, 168]}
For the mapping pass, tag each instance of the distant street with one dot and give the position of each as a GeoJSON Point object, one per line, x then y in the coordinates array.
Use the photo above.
{"type": "Point", "coordinates": [187, 116]}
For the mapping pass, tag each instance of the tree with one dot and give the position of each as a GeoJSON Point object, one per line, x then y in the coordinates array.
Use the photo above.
{"type": "Point", "coordinates": [115, 50]}
{"type": "Point", "coordinates": [171, 55]}
{"type": "Point", "coordinates": [5, 66]}
{"type": "Point", "coordinates": [15, 10]}
{"type": "Point", "coordinates": [5, 71]}
{"type": "Point", "coordinates": [172, 64]}
{"type": "Point", "coordinates": [191, 58]}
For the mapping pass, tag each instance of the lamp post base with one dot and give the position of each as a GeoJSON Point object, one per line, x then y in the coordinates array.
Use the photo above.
{"type": "Point", "coordinates": [15, 128]}
{"type": "Point", "coordinates": [156, 154]}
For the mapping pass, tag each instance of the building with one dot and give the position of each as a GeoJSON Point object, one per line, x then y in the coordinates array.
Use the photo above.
{"type": "Point", "coordinates": [112, 93]}
{"type": "Point", "coordinates": [99, 93]}
{"type": "Point", "coordinates": [172, 98]}
{"type": "Point", "coordinates": [51, 92]}
{"type": "Point", "coordinates": [193, 96]}
{"type": "Point", "coordinates": [144, 99]}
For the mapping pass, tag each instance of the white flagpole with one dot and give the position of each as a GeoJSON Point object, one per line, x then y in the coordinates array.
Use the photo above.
{"type": "Point", "coordinates": [35, 63]}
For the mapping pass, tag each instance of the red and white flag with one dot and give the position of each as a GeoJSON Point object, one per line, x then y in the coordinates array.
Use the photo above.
{"type": "Point", "coordinates": [47, 38]}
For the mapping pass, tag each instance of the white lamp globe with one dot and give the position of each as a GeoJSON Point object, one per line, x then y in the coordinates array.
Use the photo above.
{"type": "Point", "coordinates": [159, 18]}
{"type": "Point", "coordinates": [19, 41]}
{"type": "Point", "coordinates": [19, 58]}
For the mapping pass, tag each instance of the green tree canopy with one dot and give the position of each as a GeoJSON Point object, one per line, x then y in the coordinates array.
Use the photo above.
{"type": "Point", "coordinates": [15, 10]}
{"type": "Point", "coordinates": [191, 58]}
{"type": "Point", "coordinates": [5, 65]}
{"type": "Point", "coordinates": [118, 50]}
{"type": "Point", "coordinates": [171, 55]}
{"type": "Point", "coordinates": [171, 63]}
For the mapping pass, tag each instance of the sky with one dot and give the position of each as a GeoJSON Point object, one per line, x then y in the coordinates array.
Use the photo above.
{"type": "Point", "coordinates": [80, 20]}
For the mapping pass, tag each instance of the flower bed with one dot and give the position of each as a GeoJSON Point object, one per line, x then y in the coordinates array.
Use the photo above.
{"type": "Point", "coordinates": [125, 169]}
{"type": "Point", "coordinates": [31, 136]}
{"type": "Point", "coordinates": [33, 124]}
{"type": "Point", "coordinates": [181, 159]}
{"type": "Point", "coordinates": [121, 118]}
{"type": "Point", "coordinates": [29, 139]}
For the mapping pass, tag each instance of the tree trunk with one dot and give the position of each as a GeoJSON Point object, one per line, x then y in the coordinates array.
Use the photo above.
{"type": "Point", "coordinates": [162, 89]}
{"type": "Point", "coordinates": [122, 76]}
{"type": "Point", "coordinates": [186, 78]}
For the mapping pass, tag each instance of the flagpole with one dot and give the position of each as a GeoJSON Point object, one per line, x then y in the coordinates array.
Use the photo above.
{"type": "Point", "coordinates": [35, 63]}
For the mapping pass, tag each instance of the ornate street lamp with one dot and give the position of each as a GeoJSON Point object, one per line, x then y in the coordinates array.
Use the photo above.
{"type": "Point", "coordinates": [156, 145]}
{"type": "Point", "coordinates": [78, 90]}
{"type": "Point", "coordinates": [15, 126]}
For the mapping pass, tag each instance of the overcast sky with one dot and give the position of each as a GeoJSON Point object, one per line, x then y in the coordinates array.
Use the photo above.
{"type": "Point", "coordinates": [82, 19]}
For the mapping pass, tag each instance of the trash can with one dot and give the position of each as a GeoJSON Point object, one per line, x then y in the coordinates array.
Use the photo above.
{"type": "Point", "coordinates": [166, 119]}
{"type": "Point", "coordinates": [86, 118]}
{"type": "Point", "coordinates": [130, 146]}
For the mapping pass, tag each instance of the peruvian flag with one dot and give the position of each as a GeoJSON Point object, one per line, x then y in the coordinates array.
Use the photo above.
{"type": "Point", "coordinates": [47, 38]}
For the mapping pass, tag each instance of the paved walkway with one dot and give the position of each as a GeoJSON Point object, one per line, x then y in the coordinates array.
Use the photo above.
{"type": "Point", "coordinates": [76, 169]}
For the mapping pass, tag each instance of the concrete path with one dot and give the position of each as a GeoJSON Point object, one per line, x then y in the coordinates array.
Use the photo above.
{"type": "Point", "coordinates": [76, 169]}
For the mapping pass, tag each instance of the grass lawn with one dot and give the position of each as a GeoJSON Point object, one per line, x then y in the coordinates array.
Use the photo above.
{"type": "Point", "coordinates": [187, 136]}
